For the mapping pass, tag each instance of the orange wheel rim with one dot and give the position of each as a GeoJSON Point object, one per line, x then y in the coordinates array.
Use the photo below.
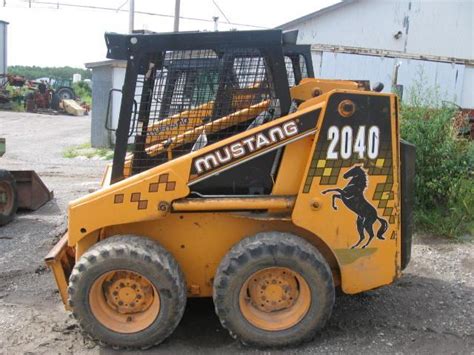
{"type": "Point", "coordinates": [275, 298]}
{"type": "Point", "coordinates": [124, 301]}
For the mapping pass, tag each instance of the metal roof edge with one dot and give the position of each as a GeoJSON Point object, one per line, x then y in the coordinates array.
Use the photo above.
{"type": "Point", "coordinates": [114, 63]}
{"type": "Point", "coordinates": [388, 53]}
{"type": "Point", "coordinates": [315, 14]}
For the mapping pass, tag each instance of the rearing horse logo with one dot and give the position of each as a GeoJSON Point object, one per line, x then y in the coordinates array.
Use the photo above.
{"type": "Point", "coordinates": [353, 197]}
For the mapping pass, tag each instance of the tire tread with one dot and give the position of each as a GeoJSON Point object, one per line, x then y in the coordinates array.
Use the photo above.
{"type": "Point", "coordinates": [271, 244]}
{"type": "Point", "coordinates": [137, 248]}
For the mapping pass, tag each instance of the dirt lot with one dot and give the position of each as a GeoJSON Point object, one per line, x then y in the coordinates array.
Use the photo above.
{"type": "Point", "coordinates": [429, 310]}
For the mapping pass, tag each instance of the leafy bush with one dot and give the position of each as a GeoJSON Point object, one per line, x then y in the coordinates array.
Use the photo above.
{"type": "Point", "coordinates": [84, 91]}
{"type": "Point", "coordinates": [444, 181]}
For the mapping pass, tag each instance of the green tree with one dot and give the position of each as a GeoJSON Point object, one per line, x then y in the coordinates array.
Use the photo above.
{"type": "Point", "coordinates": [61, 73]}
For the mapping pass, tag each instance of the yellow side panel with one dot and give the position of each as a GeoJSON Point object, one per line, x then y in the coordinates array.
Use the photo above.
{"type": "Point", "coordinates": [141, 197]}
{"type": "Point", "coordinates": [140, 204]}
{"type": "Point", "coordinates": [292, 166]}
{"type": "Point", "coordinates": [306, 89]}
{"type": "Point", "coordinates": [199, 241]}
{"type": "Point", "coordinates": [325, 179]}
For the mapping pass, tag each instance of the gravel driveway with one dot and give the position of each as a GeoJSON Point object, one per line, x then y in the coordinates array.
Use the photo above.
{"type": "Point", "coordinates": [430, 310]}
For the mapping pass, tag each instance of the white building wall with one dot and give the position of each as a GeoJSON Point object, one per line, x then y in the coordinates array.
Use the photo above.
{"type": "Point", "coordinates": [450, 80]}
{"type": "Point", "coordinates": [467, 94]}
{"type": "Point", "coordinates": [442, 28]}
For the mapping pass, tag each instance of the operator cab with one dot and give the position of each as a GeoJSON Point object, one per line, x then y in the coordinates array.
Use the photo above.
{"type": "Point", "coordinates": [182, 94]}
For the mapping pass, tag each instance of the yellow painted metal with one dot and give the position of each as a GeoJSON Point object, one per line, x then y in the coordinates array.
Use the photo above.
{"type": "Point", "coordinates": [210, 127]}
{"type": "Point", "coordinates": [190, 130]}
{"type": "Point", "coordinates": [101, 208]}
{"type": "Point", "coordinates": [310, 86]}
{"type": "Point", "coordinates": [292, 167]}
{"type": "Point", "coordinates": [106, 178]}
{"type": "Point", "coordinates": [57, 260]}
{"type": "Point", "coordinates": [365, 271]}
{"type": "Point", "coordinates": [109, 211]}
{"type": "Point", "coordinates": [124, 301]}
{"type": "Point", "coordinates": [234, 203]}
{"type": "Point", "coordinates": [127, 292]}
{"type": "Point", "coordinates": [85, 243]}
{"type": "Point", "coordinates": [143, 205]}
{"type": "Point", "coordinates": [188, 120]}
{"type": "Point", "coordinates": [200, 240]}
{"type": "Point", "coordinates": [275, 298]}
{"type": "Point", "coordinates": [180, 122]}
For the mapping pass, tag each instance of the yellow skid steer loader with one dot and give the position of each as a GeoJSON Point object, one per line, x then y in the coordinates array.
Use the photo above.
{"type": "Point", "coordinates": [238, 176]}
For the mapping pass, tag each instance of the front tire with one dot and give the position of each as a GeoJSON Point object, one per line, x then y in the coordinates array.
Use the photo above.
{"type": "Point", "coordinates": [127, 292]}
{"type": "Point", "coordinates": [8, 197]}
{"type": "Point", "coordinates": [273, 289]}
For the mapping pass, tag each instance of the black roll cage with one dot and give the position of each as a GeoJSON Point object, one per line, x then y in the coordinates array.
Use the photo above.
{"type": "Point", "coordinates": [139, 49]}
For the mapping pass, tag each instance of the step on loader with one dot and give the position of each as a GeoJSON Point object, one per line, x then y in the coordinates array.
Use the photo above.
{"type": "Point", "coordinates": [239, 176]}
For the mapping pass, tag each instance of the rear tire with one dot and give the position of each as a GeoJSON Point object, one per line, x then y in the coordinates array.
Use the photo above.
{"type": "Point", "coordinates": [65, 93]}
{"type": "Point", "coordinates": [8, 197]}
{"type": "Point", "coordinates": [55, 100]}
{"type": "Point", "coordinates": [127, 292]}
{"type": "Point", "coordinates": [273, 289]}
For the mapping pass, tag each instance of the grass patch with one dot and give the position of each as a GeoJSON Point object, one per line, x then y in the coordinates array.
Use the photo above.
{"type": "Point", "coordinates": [86, 151]}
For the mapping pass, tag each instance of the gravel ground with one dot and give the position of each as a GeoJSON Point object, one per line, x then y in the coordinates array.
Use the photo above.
{"type": "Point", "coordinates": [430, 310]}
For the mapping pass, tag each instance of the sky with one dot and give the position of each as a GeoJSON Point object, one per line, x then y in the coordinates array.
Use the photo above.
{"type": "Point", "coordinates": [46, 34]}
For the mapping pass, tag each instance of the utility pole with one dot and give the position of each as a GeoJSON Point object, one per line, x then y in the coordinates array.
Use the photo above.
{"type": "Point", "coordinates": [131, 15]}
{"type": "Point", "coordinates": [216, 23]}
{"type": "Point", "coordinates": [176, 15]}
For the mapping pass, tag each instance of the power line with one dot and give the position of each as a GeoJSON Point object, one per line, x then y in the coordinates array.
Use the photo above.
{"type": "Point", "coordinates": [120, 7]}
{"type": "Point", "coordinates": [57, 4]}
{"type": "Point", "coordinates": [222, 12]}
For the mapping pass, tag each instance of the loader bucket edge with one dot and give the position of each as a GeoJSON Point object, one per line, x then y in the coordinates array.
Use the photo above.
{"type": "Point", "coordinates": [60, 260]}
{"type": "Point", "coordinates": [32, 192]}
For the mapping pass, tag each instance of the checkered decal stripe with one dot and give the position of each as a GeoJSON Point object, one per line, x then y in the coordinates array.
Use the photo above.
{"type": "Point", "coordinates": [136, 197]}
